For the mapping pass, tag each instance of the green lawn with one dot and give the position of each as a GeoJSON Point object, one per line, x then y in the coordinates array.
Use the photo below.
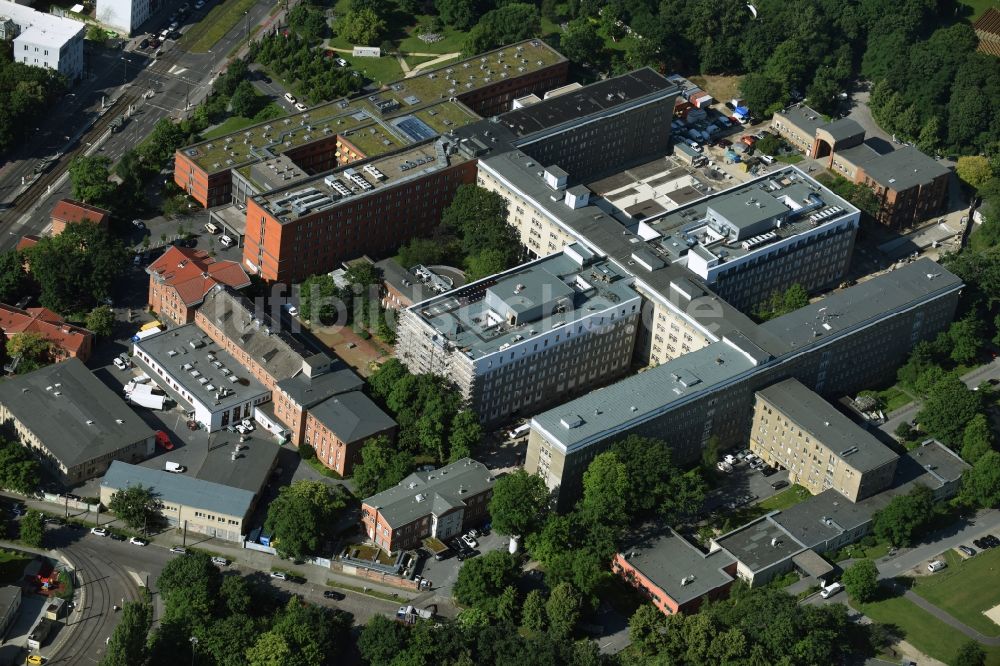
{"type": "Point", "coordinates": [928, 634]}
{"type": "Point", "coordinates": [786, 498]}
{"type": "Point", "coordinates": [229, 125]}
{"type": "Point", "coordinates": [965, 589]}
{"type": "Point", "coordinates": [203, 36]}
{"type": "Point", "coordinates": [381, 70]}
{"type": "Point", "coordinates": [12, 565]}
{"type": "Point", "coordinates": [978, 7]}
{"type": "Point", "coordinates": [789, 158]}
{"type": "Point", "coordinates": [452, 42]}
{"type": "Point", "coordinates": [894, 398]}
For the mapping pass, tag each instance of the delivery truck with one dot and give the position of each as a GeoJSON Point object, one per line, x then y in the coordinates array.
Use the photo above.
{"type": "Point", "coordinates": [145, 395]}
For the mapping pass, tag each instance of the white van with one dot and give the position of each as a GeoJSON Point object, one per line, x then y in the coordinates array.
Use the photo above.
{"type": "Point", "coordinates": [211, 228]}
{"type": "Point", "coordinates": [289, 98]}
{"type": "Point", "coordinates": [936, 565]}
{"type": "Point", "coordinates": [831, 590]}
{"type": "Point", "coordinates": [767, 159]}
{"type": "Point", "coordinates": [226, 241]}
{"type": "Point", "coordinates": [176, 468]}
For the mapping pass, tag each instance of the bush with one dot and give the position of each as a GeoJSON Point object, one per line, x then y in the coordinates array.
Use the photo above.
{"type": "Point", "coordinates": [307, 452]}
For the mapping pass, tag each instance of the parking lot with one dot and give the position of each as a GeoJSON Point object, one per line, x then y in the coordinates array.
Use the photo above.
{"type": "Point", "coordinates": [744, 486]}
{"type": "Point", "coordinates": [444, 573]}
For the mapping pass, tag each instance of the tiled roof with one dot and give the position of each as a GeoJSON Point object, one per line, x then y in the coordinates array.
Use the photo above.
{"type": "Point", "coordinates": [45, 322]}
{"type": "Point", "coordinates": [27, 241]}
{"type": "Point", "coordinates": [71, 211]}
{"type": "Point", "coordinates": [192, 273]}
{"type": "Point", "coordinates": [988, 30]}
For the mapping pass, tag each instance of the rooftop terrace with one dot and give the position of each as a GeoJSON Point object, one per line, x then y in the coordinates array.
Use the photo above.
{"type": "Point", "coordinates": [434, 89]}
{"type": "Point", "coordinates": [495, 313]}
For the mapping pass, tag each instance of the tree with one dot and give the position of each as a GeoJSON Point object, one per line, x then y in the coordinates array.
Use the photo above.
{"type": "Point", "coordinates": [381, 467]}
{"type": "Point", "coordinates": [929, 139]}
{"type": "Point", "coordinates": [762, 94]}
{"type": "Point", "coordinates": [981, 484]}
{"type": "Point", "coordinates": [974, 169]}
{"type": "Point", "coordinates": [381, 640]}
{"type": "Point", "coordinates": [948, 407]}
{"type": "Point", "coordinates": [301, 516]}
{"type": "Point", "coordinates": [507, 606]}
{"type": "Point", "coordinates": [11, 277]}
{"type": "Point", "coordinates": [271, 649]}
{"type": "Point", "coordinates": [861, 580]}
{"type": "Point", "coordinates": [905, 516]}
{"type": "Point", "coordinates": [970, 654]}
{"type": "Point", "coordinates": [482, 579]}
{"type": "Point", "coordinates": [486, 263]}
{"type": "Point", "coordinates": [518, 505]}
{"type": "Point", "coordinates": [127, 646]}
{"type": "Point", "coordinates": [19, 471]}
{"type": "Point", "coordinates": [245, 100]}
{"type": "Point", "coordinates": [32, 528]}
{"type": "Point", "coordinates": [101, 320]}
{"type": "Point", "coordinates": [684, 498]}
{"type": "Point", "coordinates": [769, 145]}
{"type": "Point", "coordinates": [189, 587]}
{"type": "Point", "coordinates": [33, 349]}
{"type": "Point", "coordinates": [563, 610]}
{"type": "Point", "coordinates": [90, 180]}
{"type": "Point", "coordinates": [136, 506]}
{"type": "Point", "coordinates": [967, 336]}
{"type": "Point", "coordinates": [646, 628]}
{"type": "Point", "coordinates": [605, 487]}
{"type": "Point", "coordinates": [506, 24]}
{"type": "Point", "coordinates": [977, 439]}
{"type": "Point", "coordinates": [533, 612]}
{"type": "Point", "coordinates": [77, 268]}
{"type": "Point", "coordinates": [424, 251]}
{"type": "Point", "coordinates": [459, 14]}
{"type": "Point", "coordinates": [580, 42]}
{"type": "Point", "coordinates": [361, 27]}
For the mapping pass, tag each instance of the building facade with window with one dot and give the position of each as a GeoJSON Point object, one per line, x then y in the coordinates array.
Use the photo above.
{"type": "Point", "coordinates": [180, 278]}
{"type": "Point", "coordinates": [125, 15]}
{"type": "Point", "coordinates": [339, 427]}
{"type": "Point", "coordinates": [43, 40]}
{"type": "Point", "coordinates": [442, 504]}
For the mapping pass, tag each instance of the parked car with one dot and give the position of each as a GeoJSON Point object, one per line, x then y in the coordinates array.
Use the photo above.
{"type": "Point", "coordinates": [114, 536]}
{"type": "Point", "coordinates": [777, 485]}
{"type": "Point", "coordinates": [723, 466]}
{"type": "Point", "coordinates": [199, 4]}
{"type": "Point", "coordinates": [144, 44]}
{"type": "Point", "coordinates": [767, 470]}
{"type": "Point", "coordinates": [936, 565]}
{"type": "Point", "coordinates": [120, 364]}
{"type": "Point", "coordinates": [831, 590]}
{"type": "Point", "coordinates": [969, 552]}
{"type": "Point", "coordinates": [291, 309]}
{"type": "Point", "coordinates": [469, 540]}
{"type": "Point", "coordinates": [99, 531]}
{"type": "Point", "coordinates": [136, 541]}
{"type": "Point", "coordinates": [243, 430]}
{"type": "Point", "coordinates": [730, 459]}
{"type": "Point", "coordinates": [280, 575]}
{"type": "Point", "coordinates": [221, 561]}
{"type": "Point", "coordinates": [180, 550]}
{"type": "Point", "coordinates": [300, 106]}
{"type": "Point", "coordinates": [248, 423]}
{"type": "Point", "coordinates": [332, 594]}
{"type": "Point", "coordinates": [290, 98]}
{"type": "Point", "coordinates": [341, 62]}
{"type": "Point", "coordinates": [163, 441]}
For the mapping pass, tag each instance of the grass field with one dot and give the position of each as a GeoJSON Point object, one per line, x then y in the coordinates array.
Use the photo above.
{"type": "Point", "coordinates": [965, 589]}
{"type": "Point", "coordinates": [928, 634]}
{"type": "Point", "coordinates": [722, 88]}
{"type": "Point", "coordinates": [792, 158]}
{"type": "Point", "coordinates": [209, 30]}
{"type": "Point", "coordinates": [12, 565]}
{"type": "Point", "coordinates": [786, 498]}
{"type": "Point", "coordinates": [979, 6]}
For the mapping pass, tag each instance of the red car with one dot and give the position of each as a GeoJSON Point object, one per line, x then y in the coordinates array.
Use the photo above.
{"type": "Point", "coordinates": [163, 440]}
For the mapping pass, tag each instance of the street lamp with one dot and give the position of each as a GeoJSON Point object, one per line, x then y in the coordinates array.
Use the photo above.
{"type": "Point", "coordinates": [124, 70]}
{"type": "Point", "coordinates": [194, 646]}
{"type": "Point", "coordinates": [246, 15]}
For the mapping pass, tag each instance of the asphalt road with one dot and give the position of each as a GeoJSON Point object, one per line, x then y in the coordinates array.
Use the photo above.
{"type": "Point", "coordinates": [178, 80]}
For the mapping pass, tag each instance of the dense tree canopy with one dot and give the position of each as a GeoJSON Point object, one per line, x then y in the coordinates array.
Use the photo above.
{"type": "Point", "coordinates": [481, 580]}
{"type": "Point", "coordinates": [19, 471]}
{"type": "Point", "coordinates": [26, 91]}
{"type": "Point", "coordinates": [518, 505]}
{"type": "Point", "coordinates": [382, 466]}
{"type": "Point", "coordinates": [949, 406]}
{"type": "Point", "coordinates": [136, 506]}
{"type": "Point", "coordinates": [861, 580]}
{"type": "Point", "coordinates": [902, 520]}
{"type": "Point", "coordinates": [302, 516]}
{"type": "Point", "coordinates": [981, 484]}
{"type": "Point", "coordinates": [127, 646]}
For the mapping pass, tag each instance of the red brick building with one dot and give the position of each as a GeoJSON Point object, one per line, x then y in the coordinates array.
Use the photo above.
{"type": "Point", "coordinates": [443, 504]}
{"type": "Point", "coordinates": [180, 278]}
{"type": "Point", "coordinates": [339, 427]}
{"type": "Point", "coordinates": [68, 341]}
{"type": "Point", "coordinates": [68, 211]}
{"type": "Point", "coordinates": [674, 574]}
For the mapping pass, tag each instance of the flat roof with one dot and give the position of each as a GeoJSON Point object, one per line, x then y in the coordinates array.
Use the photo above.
{"type": "Point", "coordinates": [804, 118]}
{"type": "Point", "coordinates": [352, 416]}
{"type": "Point", "coordinates": [423, 493]}
{"type": "Point", "coordinates": [760, 544]}
{"type": "Point", "coordinates": [894, 291]}
{"type": "Point", "coordinates": [676, 566]}
{"type": "Point", "coordinates": [200, 367]}
{"type": "Point", "coordinates": [181, 489]}
{"type": "Point", "coordinates": [73, 413]}
{"type": "Point", "coordinates": [822, 517]}
{"type": "Point", "coordinates": [40, 27]}
{"type": "Point", "coordinates": [543, 294]}
{"type": "Point", "coordinates": [846, 440]}
{"type": "Point", "coordinates": [431, 89]}
{"type": "Point", "coordinates": [843, 128]}
{"type": "Point", "coordinates": [904, 168]}
{"type": "Point", "coordinates": [253, 464]}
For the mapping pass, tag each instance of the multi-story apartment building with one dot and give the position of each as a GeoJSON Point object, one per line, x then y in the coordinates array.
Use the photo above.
{"type": "Point", "coordinates": [911, 186]}
{"type": "Point", "coordinates": [850, 340]}
{"type": "Point", "coordinates": [441, 504]}
{"type": "Point", "coordinates": [180, 278]}
{"type": "Point", "coordinates": [43, 40]}
{"type": "Point", "coordinates": [125, 15]}
{"type": "Point", "coordinates": [521, 340]}
{"type": "Point", "coordinates": [796, 429]}
{"type": "Point", "coordinates": [411, 110]}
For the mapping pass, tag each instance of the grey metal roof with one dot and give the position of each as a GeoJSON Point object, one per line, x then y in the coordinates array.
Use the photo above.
{"type": "Point", "coordinates": [252, 467]}
{"type": "Point", "coordinates": [637, 398]}
{"type": "Point", "coordinates": [74, 415]}
{"type": "Point", "coordinates": [308, 391]}
{"type": "Point", "coordinates": [352, 416]}
{"type": "Point", "coordinates": [666, 558]}
{"type": "Point", "coordinates": [418, 494]}
{"type": "Point", "coordinates": [817, 417]}
{"type": "Point", "coordinates": [180, 489]}
{"type": "Point", "coordinates": [253, 331]}
{"type": "Point", "coordinates": [189, 356]}
{"type": "Point", "coordinates": [843, 128]}
{"type": "Point", "coordinates": [904, 168]}
{"type": "Point", "coordinates": [760, 544]}
{"type": "Point", "coordinates": [890, 292]}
